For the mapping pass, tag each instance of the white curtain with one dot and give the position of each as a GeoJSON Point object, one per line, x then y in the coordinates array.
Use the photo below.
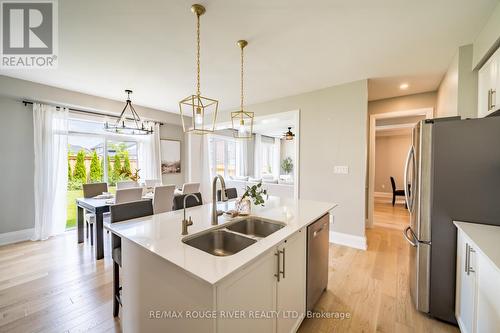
{"type": "Point", "coordinates": [277, 158]}
{"type": "Point", "coordinates": [149, 157]}
{"type": "Point", "coordinates": [50, 126]}
{"type": "Point", "coordinates": [242, 158]}
{"type": "Point", "coordinates": [257, 156]}
{"type": "Point", "coordinates": [205, 159]}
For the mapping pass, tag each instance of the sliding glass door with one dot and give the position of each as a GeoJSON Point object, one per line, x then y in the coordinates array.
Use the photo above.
{"type": "Point", "coordinates": [95, 156]}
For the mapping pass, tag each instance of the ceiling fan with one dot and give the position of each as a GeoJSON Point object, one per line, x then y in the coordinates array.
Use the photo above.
{"type": "Point", "coordinates": [289, 135]}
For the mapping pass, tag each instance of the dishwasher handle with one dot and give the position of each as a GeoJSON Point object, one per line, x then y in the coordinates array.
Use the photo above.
{"type": "Point", "coordinates": [316, 232]}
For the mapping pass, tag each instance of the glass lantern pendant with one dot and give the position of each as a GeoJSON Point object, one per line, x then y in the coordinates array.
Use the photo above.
{"type": "Point", "coordinates": [202, 110]}
{"type": "Point", "coordinates": [242, 120]}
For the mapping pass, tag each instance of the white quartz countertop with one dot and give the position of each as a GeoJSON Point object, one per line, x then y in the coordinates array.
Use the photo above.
{"type": "Point", "coordinates": [161, 234]}
{"type": "Point", "coordinates": [486, 237]}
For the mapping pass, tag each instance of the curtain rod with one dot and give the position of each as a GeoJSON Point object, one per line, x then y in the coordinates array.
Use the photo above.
{"type": "Point", "coordinates": [95, 113]}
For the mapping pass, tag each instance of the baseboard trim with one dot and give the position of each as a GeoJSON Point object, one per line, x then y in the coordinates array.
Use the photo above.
{"type": "Point", "coordinates": [387, 195]}
{"type": "Point", "coordinates": [340, 238]}
{"type": "Point", "coordinates": [16, 236]}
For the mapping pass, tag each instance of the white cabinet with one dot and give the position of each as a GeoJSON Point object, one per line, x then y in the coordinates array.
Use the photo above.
{"type": "Point", "coordinates": [488, 297]}
{"type": "Point", "coordinates": [291, 295]}
{"type": "Point", "coordinates": [489, 86]}
{"type": "Point", "coordinates": [477, 303]}
{"type": "Point", "coordinates": [253, 289]}
{"type": "Point", "coordinates": [466, 285]}
{"type": "Point", "coordinates": [275, 284]}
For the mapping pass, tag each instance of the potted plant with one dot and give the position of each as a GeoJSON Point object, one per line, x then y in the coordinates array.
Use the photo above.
{"type": "Point", "coordinates": [255, 194]}
{"type": "Point", "coordinates": [287, 165]}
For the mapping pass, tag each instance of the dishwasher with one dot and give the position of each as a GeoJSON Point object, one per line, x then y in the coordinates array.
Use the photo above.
{"type": "Point", "coordinates": [317, 260]}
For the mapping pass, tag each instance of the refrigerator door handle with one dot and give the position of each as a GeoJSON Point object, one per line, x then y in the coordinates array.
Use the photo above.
{"type": "Point", "coordinates": [411, 155]}
{"type": "Point", "coordinates": [411, 241]}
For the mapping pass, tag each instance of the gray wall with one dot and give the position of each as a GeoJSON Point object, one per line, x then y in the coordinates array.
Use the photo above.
{"type": "Point", "coordinates": [16, 166]}
{"type": "Point", "coordinates": [333, 131]}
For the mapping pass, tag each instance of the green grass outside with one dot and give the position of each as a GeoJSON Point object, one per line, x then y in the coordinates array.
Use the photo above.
{"type": "Point", "coordinates": [72, 195]}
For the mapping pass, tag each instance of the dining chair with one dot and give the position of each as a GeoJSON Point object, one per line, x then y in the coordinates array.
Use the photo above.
{"type": "Point", "coordinates": [188, 188]}
{"type": "Point", "coordinates": [190, 202]}
{"type": "Point", "coordinates": [128, 194]}
{"type": "Point", "coordinates": [126, 184]}
{"type": "Point", "coordinates": [231, 193]}
{"type": "Point", "coordinates": [122, 212]}
{"type": "Point", "coordinates": [163, 198]}
{"type": "Point", "coordinates": [152, 182]}
{"type": "Point", "coordinates": [396, 192]}
{"type": "Point", "coordinates": [89, 191]}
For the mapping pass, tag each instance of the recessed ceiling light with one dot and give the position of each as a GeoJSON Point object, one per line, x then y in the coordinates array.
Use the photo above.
{"type": "Point", "coordinates": [404, 86]}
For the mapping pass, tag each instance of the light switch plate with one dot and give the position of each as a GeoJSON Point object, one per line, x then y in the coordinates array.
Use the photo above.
{"type": "Point", "coordinates": [341, 169]}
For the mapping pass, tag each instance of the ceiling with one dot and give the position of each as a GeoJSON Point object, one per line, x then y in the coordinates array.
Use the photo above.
{"type": "Point", "coordinates": [294, 46]}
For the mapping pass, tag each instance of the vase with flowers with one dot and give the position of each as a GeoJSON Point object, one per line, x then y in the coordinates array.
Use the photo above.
{"type": "Point", "coordinates": [253, 194]}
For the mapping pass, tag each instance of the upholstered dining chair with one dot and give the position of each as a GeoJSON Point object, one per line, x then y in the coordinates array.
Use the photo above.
{"type": "Point", "coordinates": [163, 199]}
{"type": "Point", "coordinates": [128, 194]}
{"type": "Point", "coordinates": [231, 193]}
{"type": "Point", "coordinates": [190, 202]}
{"type": "Point", "coordinates": [126, 184]}
{"type": "Point", "coordinates": [152, 182]}
{"type": "Point", "coordinates": [90, 191]}
{"type": "Point", "coordinates": [188, 188]}
{"type": "Point", "coordinates": [122, 212]}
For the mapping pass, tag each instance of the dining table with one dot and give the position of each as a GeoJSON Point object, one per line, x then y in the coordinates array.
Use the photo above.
{"type": "Point", "coordinates": [97, 206]}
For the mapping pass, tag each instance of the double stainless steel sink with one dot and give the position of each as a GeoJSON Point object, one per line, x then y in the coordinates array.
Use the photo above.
{"type": "Point", "coordinates": [233, 237]}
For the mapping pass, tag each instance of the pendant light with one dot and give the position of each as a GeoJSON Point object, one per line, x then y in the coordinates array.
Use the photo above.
{"type": "Point", "coordinates": [289, 135]}
{"type": "Point", "coordinates": [136, 128]}
{"type": "Point", "coordinates": [242, 120]}
{"type": "Point", "coordinates": [202, 110]}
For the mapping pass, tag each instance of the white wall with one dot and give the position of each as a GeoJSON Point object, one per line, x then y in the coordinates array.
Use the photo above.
{"type": "Point", "coordinates": [457, 93]}
{"type": "Point", "coordinates": [390, 157]}
{"type": "Point", "coordinates": [333, 128]}
{"type": "Point", "coordinates": [16, 142]}
{"type": "Point", "coordinates": [488, 39]}
{"type": "Point", "coordinates": [447, 101]}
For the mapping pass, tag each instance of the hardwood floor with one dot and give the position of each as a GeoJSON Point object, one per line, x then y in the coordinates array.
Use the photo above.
{"type": "Point", "coordinates": [57, 286]}
{"type": "Point", "coordinates": [372, 286]}
{"type": "Point", "coordinates": [389, 216]}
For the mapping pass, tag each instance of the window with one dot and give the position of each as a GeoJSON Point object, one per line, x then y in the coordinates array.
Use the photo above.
{"type": "Point", "coordinates": [96, 156]}
{"type": "Point", "coordinates": [223, 156]}
{"type": "Point", "coordinates": [267, 157]}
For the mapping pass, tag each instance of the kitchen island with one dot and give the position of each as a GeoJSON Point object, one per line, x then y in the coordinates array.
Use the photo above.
{"type": "Point", "coordinates": [170, 286]}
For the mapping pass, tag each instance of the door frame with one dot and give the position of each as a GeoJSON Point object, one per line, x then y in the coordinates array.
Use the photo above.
{"type": "Point", "coordinates": [427, 112]}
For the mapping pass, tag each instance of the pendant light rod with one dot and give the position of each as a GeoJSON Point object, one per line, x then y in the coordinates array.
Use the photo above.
{"type": "Point", "coordinates": [241, 43]}
{"type": "Point", "coordinates": [198, 10]}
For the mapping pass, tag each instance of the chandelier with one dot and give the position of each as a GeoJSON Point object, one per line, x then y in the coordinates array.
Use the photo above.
{"type": "Point", "coordinates": [242, 120]}
{"type": "Point", "coordinates": [136, 126]}
{"type": "Point", "coordinates": [202, 110]}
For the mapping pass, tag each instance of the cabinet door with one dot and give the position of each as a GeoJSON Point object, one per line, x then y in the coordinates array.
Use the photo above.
{"type": "Point", "coordinates": [483, 90]}
{"type": "Point", "coordinates": [251, 290]}
{"type": "Point", "coordinates": [488, 297]}
{"type": "Point", "coordinates": [291, 301]}
{"type": "Point", "coordinates": [466, 285]}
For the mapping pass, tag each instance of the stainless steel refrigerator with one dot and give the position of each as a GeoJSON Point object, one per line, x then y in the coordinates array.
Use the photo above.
{"type": "Point", "coordinates": [453, 174]}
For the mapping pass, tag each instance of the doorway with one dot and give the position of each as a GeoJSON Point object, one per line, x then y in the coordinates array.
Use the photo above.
{"type": "Point", "coordinates": [389, 142]}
